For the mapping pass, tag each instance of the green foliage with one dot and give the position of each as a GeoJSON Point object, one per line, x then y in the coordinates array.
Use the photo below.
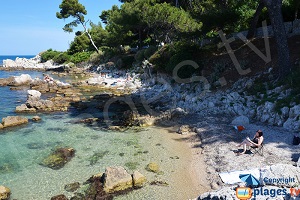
{"type": "Point", "coordinates": [140, 55]}
{"type": "Point", "coordinates": [80, 57]}
{"type": "Point", "coordinates": [125, 62]}
{"type": "Point", "coordinates": [48, 55]}
{"type": "Point", "coordinates": [96, 58]}
{"type": "Point", "coordinates": [81, 43]}
{"type": "Point", "coordinates": [161, 58]}
{"type": "Point", "coordinates": [150, 51]}
{"type": "Point", "coordinates": [71, 8]}
{"type": "Point", "coordinates": [61, 58]}
{"type": "Point", "coordinates": [168, 57]}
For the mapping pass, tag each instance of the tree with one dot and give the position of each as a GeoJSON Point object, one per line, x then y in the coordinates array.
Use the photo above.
{"type": "Point", "coordinates": [251, 32]}
{"type": "Point", "coordinates": [72, 8]}
{"type": "Point", "coordinates": [275, 15]}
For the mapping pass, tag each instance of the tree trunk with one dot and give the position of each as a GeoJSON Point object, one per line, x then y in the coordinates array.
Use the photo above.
{"type": "Point", "coordinates": [296, 10]}
{"type": "Point", "coordinates": [275, 14]}
{"type": "Point", "coordinates": [90, 37]}
{"type": "Point", "coordinates": [252, 29]}
{"type": "Point", "coordinates": [140, 38]}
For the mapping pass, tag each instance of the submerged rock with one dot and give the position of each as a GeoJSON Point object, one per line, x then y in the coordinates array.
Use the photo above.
{"type": "Point", "coordinates": [13, 121]}
{"type": "Point", "coordinates": [117, 179]}
{"type": "Point", "coordinates": [4, 193]}
{"type": "Point", "coordinates": [59, 197]}
{"type": "Point", "coordinates": [152, 167]}
{"type": "Point", "coordinates": [36, 118]}
{"type": "Point", "coordinates": [59, 158]}
{"type": "Point", "coordinates": [72, 187]}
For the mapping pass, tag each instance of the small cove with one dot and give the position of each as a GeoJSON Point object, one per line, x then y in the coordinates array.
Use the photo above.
{"type": "Point", "coordinates": [23, 148]}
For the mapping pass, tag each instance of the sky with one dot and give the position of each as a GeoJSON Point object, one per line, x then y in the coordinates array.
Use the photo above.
{"type": "Point", "coordinates": [30, 27]}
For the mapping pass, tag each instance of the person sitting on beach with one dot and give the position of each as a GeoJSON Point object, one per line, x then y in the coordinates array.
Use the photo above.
{"type": "Point", "coordinates": [255, 142]}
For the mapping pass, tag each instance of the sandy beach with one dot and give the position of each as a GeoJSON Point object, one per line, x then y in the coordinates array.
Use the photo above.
{"type": "Point", "coordinates": [213, 148]}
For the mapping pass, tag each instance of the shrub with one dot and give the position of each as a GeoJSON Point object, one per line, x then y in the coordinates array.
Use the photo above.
{"type": "Point", "coordinates": [125, 61]}
{"type": "Point", "coordinates": [150, 51]}
{"type": "Point", "coordinates": [48, 55]}
{"type": "Point", "coordinates": [140, 55]}
{"type": "Point", "coordinates": [185, 71]}
{"type": "Point", "coordinates": [160, 58]}
{"type": "Point", "coordinates": [61, 58]}
{"type": "Point", "coordinates": [96, 58]}
{"type": "Point", "coordinates": [80, 57]}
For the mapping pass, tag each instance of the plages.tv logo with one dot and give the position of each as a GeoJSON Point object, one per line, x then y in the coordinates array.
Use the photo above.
{"type": "Point", "coordinates": [244, 193]}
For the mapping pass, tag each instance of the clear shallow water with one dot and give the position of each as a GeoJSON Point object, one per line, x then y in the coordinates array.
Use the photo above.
{"type": "Point", "coordinates": [23, 148]}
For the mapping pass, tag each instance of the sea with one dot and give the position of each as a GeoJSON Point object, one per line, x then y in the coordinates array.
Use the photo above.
{"type": "Point", "coordinates": [23, 148]}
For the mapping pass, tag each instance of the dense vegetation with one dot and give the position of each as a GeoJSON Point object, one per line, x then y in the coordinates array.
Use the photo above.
{"type": "Point", "coordinates": [178, 24]}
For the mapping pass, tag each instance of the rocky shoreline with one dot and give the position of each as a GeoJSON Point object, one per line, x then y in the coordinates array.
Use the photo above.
{"type": "Point", "coordinates": [204, 115]}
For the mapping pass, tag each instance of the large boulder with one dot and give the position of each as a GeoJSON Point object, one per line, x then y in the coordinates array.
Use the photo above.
{"type": "Point", "coordinates": [33, 95]}
{"type": "Point", "coordinates": [23, 79]}
{"type": "Point", "coordinates": [24, 108]}
{"type": "Point", "coordinates": [13, 121]}
{"type": "Point", "coordinates": [240, 120]}
{"type": "Point", "coordinates": [270, 176]}
{"type": "Point", "coordinates": [117, 179]}
{"type": "Point", "coordinates": [4, 193]}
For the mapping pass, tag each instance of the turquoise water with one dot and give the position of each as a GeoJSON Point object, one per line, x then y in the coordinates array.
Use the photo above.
{"type": "Point", "coordinates": [23, 148]}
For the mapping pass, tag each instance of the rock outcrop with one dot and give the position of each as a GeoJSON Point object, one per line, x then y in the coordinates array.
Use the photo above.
{"type": "Point", "coordinates": [117, 179]}
{"type": "Point", "coordinates": [13, 121]}
{"type": "Point", "coordinates": [4, 193]}
{"type": "Point", "coordinates": [32, 63]}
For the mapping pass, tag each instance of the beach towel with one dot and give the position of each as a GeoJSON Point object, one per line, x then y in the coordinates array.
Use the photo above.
{"type": "Point", "coordinates": [233, 177]}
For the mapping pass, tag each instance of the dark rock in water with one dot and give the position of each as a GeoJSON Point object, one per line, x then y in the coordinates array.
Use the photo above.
{"type": "Point", "coordinates": [57, 69]}
{"type": "Point", "coordinates": [59, 197]}
{"type": "Point", "coordinates": [58, 158]}
{"type": "Point", "coordinates": [95, 191]}
{"type": "Point", "coordinates": [72, 187]}
{"type": "Point", "coordinates": [7, 167]}
{"type": "Point", "coordinates": [78, 196]}
{"type": "Point", "coordinates": [97, 156]}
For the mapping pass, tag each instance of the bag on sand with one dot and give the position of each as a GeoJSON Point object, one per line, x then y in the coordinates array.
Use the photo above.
{"type": "Point", "coordinates": [296, 140]}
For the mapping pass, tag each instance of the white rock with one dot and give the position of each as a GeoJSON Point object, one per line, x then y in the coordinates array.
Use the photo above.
{"type": "Point", "coordinates": [240, 120]}
{"type": "Point", "coordinates": [22, 79]}
{"type": "Point", "coordinates": [34, 94]}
